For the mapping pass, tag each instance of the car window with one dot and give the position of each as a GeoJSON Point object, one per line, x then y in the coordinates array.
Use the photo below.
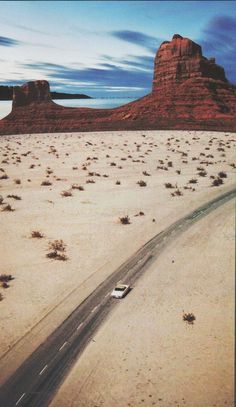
{"type": "Point", "coordinates": [120, 288]}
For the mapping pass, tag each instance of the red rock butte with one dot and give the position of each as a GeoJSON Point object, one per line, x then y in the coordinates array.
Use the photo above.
{"type": "Point", "coordinates": [189, 92]}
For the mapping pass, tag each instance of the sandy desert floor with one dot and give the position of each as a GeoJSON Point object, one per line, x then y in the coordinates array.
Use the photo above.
{"type": "Point", "coordinates": [145, 354]}
{"type": "Point", "coordinates": [177, 168]}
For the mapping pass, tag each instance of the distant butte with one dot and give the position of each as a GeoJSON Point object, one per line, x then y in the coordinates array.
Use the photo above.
{"type": "Point", "coordinates": [189, 92]}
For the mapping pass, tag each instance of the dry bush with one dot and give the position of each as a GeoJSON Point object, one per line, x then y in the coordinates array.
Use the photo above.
{"type": "Point", "coordinates": [17, 181]}
{"type": "Point", "coordinates": [4, 285]}
{"type": "Point", "coordinates": [46, 183]}
{"type": "Point", "coordinates": [189, 318]}
{"type": "Point", "coordinates": [216, 182]}
{"type": "Point", "coordinates": [76, 186]}
{"type": "Point", "coordinates": [4, 176]}
{"type": "Point", "coordinates": [4, 278]}
{"type": "Point", "coordinates": [141, 213]}
{"type": "Point", "coordinates": [178, 192]}
{"type": "Point", "coordinates": [170, 164]}
{"type": "Point", "coordinates": [66, 193]}
{"type": "Point", "coordinates": [16, 197]}
{"type": "Point", "coordinates": [1, 297]}
{"type": "Point", "coordinates": [1, 199]}
{"type": "Point", "coordinates": [193, 181]}
{"type": "Point", "coordinates": [178, 172]}
{"type": "Point", "coordinates": [222, 174]}
{"type": "Point", "coordinates": [169, 185]}
{"type": "Point", "coordinates": [125, 220]}
{"type": "Point", "coordinates": [117, 182]}
{"type": "Point", "coordinates": [112, 164]}
{"type": "Point", "coordinates": [57, 245]}
{"type": "Point", "coordinates": [91, 181]}
{"type": "Point", "coordinates": [57, 256]}
{"type": "Point", "coordinates": [8, 208]}
{"type": "Point", "coordinates": [142, 183]}
{"type": "Point", "coordinates": [37, 234]}
{"type": "Point", "coordinates": [146, 174]}
{"type": "Point", "coordinates": [202, 173]}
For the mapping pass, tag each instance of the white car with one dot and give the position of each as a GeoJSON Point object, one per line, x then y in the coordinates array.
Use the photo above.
{"type": "Point", "coordinates": [120, 290]}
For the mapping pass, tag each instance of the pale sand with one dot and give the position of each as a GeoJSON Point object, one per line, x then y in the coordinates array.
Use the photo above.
{"type": "Point", "coordinates": [145, 354]}
{"type": "Point", "coordinates": [88, 222]}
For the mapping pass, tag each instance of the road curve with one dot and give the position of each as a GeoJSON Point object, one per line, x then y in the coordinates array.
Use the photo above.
{"type": "Point", "coordinates": [34, 383]}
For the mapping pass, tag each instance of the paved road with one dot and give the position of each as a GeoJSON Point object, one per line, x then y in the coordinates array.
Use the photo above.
{"type": "Point", "coordinates": [34, 383]}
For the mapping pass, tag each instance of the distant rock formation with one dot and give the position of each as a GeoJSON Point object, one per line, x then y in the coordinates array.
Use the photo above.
{"type": "Point", "coordinates": [6, 93]}
{"type": "Point", "coordinates": [190, 92]}
{"type": "Point", "coordinates": [24, 95]}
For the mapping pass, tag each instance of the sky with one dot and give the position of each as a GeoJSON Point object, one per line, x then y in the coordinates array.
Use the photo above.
{"type": "Point", "coordinates": [107, 48]}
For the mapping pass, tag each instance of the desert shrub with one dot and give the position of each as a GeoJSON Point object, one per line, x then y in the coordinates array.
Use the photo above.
{"type": "Point", "coordinates": [16, 197]}
{"type": "Point", "coordinates": [17, 181]}
{"type": "Point", "coordinates": [141, 213]}
{"type": "Point", "coordinates": [202, 173]}
{"type": "Point", "coordinates": [178, 192]}
{"type": "Point", "coordinates": [90, 181]}
{"type": "Point", "coordinates": [117, 182]}
{"type": "Point", "coordinates": [66, 193]}
{"type": "Point", "coordinates": [142, 183]}
{"type": "Point", "coordinates": [76, 186]}
{"type": "Point", "coordinates": [125, 220]}
{"type": "Point", "coordinates": [193, 181]}
{"type": "Point", "coordinates": [4, 285]}
{"type": "Point", "coordinates": [37, 234]}
{"type": "Point", "coordinates": [217, 181]}
{"type": "Point", "coordinates": [170, 164]}
{"type": "Point", "coordinates": [146, 174]}
{"type": "Point", "coordinates": [4, 176]}
{"type": "Point", "coordinates": [57, 256]}
{"type": "Point", "coordinates": [1, 297]}
{"type": "Point", "coordinates": [222, 174]}
{"type": "Point", "coordinates": [178, 172]}
{"type": "Point", "coordinates": [8, 208]}
{"type": "Point", "coordinates": [57, 245]}
{"type": "Point", "coordinates": [1, 199]}
{"type": "Point", "coordinates": [189, 317]}
{"type": "Point", "coordinates": [46, 183]}
{"type": "Point", "coordinates": [112, 164]}
{"type": "Point", "coordinates": [5, 278]}
{"type": "Point", "coordinates": [168, 185]}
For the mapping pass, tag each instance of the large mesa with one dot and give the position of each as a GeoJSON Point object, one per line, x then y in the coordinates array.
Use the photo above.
{"type": "Point", "coordinates": [181, 59]}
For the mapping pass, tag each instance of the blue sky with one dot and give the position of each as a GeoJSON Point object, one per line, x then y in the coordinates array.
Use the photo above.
{"type": "Point", "coordinates": [107, 48]}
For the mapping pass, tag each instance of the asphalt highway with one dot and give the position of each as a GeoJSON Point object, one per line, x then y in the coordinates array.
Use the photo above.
{"type": "Point", "coordinates": [35, 382]}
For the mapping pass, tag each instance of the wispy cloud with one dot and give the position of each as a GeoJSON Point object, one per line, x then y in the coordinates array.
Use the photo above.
{"type": "Point", "coordinates": [143, 62]}
{"type": "Point", "coordinates": [106, 76]}
{"type": "Point", "coordinates": [138, 38]}
{"type": "Point", "coordinates": [8, 42]}
{"type": "Point", "coordinates": [10, 23]}
{"type": "Point", "coordinates": [219, 40]}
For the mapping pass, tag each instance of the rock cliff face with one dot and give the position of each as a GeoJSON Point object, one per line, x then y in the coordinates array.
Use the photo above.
{"type": "Point", "coordinates": [182, 59]}
{"type": "Point", "coordinates": [37, 91]}
{"type": "Point", "coordinates": [189, 92]}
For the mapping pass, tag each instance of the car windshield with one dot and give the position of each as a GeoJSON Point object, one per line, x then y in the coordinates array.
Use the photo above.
{"type": "Point", "coordinates": [120, 288]}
